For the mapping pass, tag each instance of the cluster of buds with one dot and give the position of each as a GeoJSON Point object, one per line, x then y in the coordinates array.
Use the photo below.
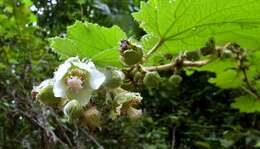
{"type": "Point", "coordinates": [73, 85]}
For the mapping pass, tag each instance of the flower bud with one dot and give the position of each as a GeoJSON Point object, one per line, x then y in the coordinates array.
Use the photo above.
{"type": "Point", "coordinates": [114, 78]}
{"type": "Point", "coordinates": [72, 109]}
{"type": "Point", "coordinates": [125, 102]}
{"type": "Point", "coordinates": [175, 79]}
{"type": "Point", "coordinates": [133, 113]}
{"type": "Point", "coordinates": [151, 79]}
{"type": "Point", "coordinates": [138, 76]}
{"type": "Point", "coordinates": [129, 98]}
{"type": "Point", "coordinates": [130, 54]}
{"type": "Point", "coordinates": [91, 118]}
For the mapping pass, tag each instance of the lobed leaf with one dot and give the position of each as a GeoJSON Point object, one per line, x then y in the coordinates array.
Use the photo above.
{"type": "Point", "coordinates": [91, 41]}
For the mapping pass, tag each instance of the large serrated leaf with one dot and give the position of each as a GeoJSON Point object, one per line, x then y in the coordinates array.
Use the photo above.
{"type": "Point", "coordinates": [91, 41]}
{"type": "Point", "coordinates": [177, 25]}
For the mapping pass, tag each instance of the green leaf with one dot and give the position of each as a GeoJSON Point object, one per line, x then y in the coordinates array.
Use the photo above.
{"type": "Point", "coordinates": [254, 59]}
{"type": "Point", "coordinates": [91, 41]}
{"type": "Point", "coordinates": [227, 79]}
{"type": "Point", "coordinates": [226, 75]}
{"type": "Point", "coordinates": [176, 25]}
{"type": "Point", "coordinates": [247, 104]}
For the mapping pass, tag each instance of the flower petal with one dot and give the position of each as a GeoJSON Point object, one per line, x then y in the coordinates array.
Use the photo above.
{"type": "Point", "coordinates": [60, 89]}
{"type": "Point", "coordinates": [63, 68]}
{"type": "Point", "coordinates": [97, 78]}
{"type": "Point", "coordinates": [83, 96]}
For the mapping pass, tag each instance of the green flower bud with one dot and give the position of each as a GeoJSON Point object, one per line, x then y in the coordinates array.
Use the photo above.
{"type": "Point", "coordinates": [72, 109]}
{"type": "Point", "coordinates": [151, 79]}
{"type": "Point", "coordinates": [137, 76]}
{"type": "Point", "coordinates": [175, 79]}
{"type": "Point", "coordinates": [130, 54]}
{"type": "Point", "coordinates": [114, 78]}
{"type": "Point", "coordinates": [91, 118]}
{"type": "Point", "coordinates": [131, 57]}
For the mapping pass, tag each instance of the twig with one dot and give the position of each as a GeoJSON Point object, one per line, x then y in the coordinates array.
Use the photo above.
{"type": "Point", "coordinates": [249, 92]}
{"type": "Point", "coordinates": [173, 137]}
{"type": "Point", "coordinates": [93, 139]}
{"type": "Point", "coordinates": [174, 64]}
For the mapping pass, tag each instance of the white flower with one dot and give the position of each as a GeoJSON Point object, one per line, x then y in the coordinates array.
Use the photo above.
{"type": "Point", "coordinates": [77, 80]}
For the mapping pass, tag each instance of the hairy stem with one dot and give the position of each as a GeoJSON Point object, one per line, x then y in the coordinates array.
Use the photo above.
{"type": "Point", "coordinates": [174, 64]}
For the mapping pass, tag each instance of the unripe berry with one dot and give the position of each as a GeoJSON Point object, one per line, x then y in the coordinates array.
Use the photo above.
{"type": "Point", "coordinates": [175, 79]}
{"type": "Point", "coordinates": [130, 54]}
{"type": "Point", "coordinates": [151, 79]}
{"type": "Point", "coordinates": [114, 78]}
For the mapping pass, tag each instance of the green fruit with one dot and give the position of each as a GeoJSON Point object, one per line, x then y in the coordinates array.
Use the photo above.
{"type": "Point", "coordinates": [114, 78]}
{"type": "Point", "coordinates": [152, 79]}
{"type": "Point", "coordinates": [46, 96]}
{"type": "Point", "coordinates": [175, 79]}
{"type": "Point", "coordinates": [131, 57]}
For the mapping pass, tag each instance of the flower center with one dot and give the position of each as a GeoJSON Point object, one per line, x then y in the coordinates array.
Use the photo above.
{"type": "Point", "coordinates": [74, 83]}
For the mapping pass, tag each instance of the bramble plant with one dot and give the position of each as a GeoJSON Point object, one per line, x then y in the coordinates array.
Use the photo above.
{"type": "Point", "coordinates": [103, 65]}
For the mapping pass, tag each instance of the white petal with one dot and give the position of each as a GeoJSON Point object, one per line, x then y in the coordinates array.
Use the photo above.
{"type": "Point", "coordinates": [60, 89]}
{"type": "Point", "coordinates": [63, 68]}
{"type": "Point", "coordinates": [97, 78]}
{"type": "Point", "coordinates": [83, 96]}
{"type": "Point", "coordinates": [43, 84]}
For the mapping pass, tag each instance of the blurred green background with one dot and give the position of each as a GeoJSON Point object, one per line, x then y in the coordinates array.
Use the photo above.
{"type": "Point", "coordinates": [194, 114]}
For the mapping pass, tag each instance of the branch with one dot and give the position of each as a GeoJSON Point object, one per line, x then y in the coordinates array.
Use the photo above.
{"type": "Point", "coordinates": [175, 64]}
{"type": "Point", "coordinates": [173, 137]}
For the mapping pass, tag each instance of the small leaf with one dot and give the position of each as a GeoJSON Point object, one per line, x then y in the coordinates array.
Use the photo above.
{"type": "Point", "coordinates": [247, 104]}
{"type": "Point", "coordinates": [227, 79]}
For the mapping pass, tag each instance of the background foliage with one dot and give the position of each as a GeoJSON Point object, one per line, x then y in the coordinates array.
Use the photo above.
{"type": "Point", "coordinates": [195, 114]}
